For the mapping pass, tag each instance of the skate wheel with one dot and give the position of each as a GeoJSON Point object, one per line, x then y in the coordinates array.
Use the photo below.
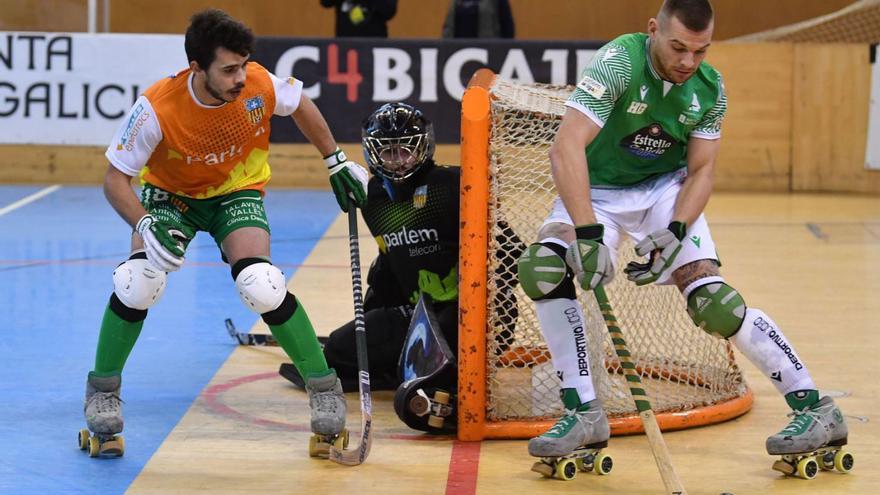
{"type": "Point", "coordinates": [807, 468]}
{"type": "Point", "coordinates": [94, 447]}
{"type": "Point", "coordinates": [603, 464]}
{"type": "Point", "coordinates": [83, 438]}
{"type": "Point", "coordinates": [543, 469]}
{"type": "Point", "coordinates": [340, 442]}
{"type": "Point", "coordinates": [113, 446]}
{"type": "Point", "coordinates": [441, 397]}
{"type": "Point", "coordinates": [583, 465]}
{"type": "Point", "coordinates": [435, 421]}
{"type": "Point", "coordinates": [843, 461]}
{"type": "Point", "coordinates": [826, 461]}
{"type": "Point", "coordinates": [566, 469]}
{"type": "Point", "coordinates": [317, 448]}
{"type": "Point", "coordinates": [419, 405]}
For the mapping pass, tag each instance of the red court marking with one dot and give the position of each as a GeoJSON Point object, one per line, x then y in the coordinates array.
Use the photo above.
{"type": "Point", "coordinates": [213, 397]}
{"type": "Point", "coordinates": [464, 464]}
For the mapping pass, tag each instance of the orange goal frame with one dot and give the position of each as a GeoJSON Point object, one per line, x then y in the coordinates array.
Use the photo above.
{"type": "Point", "coordinates": [473, 278]}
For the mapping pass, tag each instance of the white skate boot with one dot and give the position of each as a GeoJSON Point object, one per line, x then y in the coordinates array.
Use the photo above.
{"type": "Point", "coordinates": [812, 440]}
{"type": "Point", "coordinates": [328, 415]}
{"type": "Point", "coordinates": [575, 442]}
{"type": "Point", "coordinates": [103, 412]}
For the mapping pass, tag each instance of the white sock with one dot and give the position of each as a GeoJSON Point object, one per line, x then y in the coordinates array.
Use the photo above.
{"type": "Point", "coordinates": [562, 323]}
{"type": "Point", "coordinates": [761, 340]}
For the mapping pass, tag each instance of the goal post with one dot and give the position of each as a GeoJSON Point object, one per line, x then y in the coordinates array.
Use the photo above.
{"type": "Point", "coordinates": [507, 387]}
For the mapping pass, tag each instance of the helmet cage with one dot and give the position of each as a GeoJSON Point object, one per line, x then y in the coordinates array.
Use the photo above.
{"type": "Point", "coordinates": [396, 158]}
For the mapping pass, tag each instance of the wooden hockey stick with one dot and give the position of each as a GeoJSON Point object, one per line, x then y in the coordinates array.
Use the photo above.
{"type": "Point", "coordinates": [643, 404]}
{"type": "Point", "coordinates": [359, 455]}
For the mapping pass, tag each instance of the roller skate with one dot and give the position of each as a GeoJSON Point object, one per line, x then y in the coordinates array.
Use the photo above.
{"type": "Point", "coordinates": [575, 442]}
{"type": "Point", "coordinates": [328, 415]}
{"type": "Point", "coordinates": [812, 441]}
{"type": "Point", "coordinates": [103, 412]}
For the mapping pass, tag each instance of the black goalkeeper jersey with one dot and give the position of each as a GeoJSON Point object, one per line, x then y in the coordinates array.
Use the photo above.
{"type": "Point", "coordinates": [417, 235]}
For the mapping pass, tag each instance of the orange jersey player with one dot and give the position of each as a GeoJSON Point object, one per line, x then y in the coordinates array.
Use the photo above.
{"type": "Point", "coordinates": [199, 140]}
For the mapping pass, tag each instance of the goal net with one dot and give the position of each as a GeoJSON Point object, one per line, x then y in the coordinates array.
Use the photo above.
{"type": "Point", "coordinates": [856, 23]}
{"type": "Point", "coordinates": [507, 385]}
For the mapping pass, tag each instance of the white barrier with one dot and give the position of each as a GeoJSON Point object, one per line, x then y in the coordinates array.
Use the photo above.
{"type": "Point", "coordinates": [63, 88]}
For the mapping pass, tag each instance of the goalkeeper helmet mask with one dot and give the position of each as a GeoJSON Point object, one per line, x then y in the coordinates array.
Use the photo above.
{"type": "Point", "coordinates": [398, 140]}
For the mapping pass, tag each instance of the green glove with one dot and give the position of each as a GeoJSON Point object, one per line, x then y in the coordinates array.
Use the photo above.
{"type": "Point", "coordinates": [589, 258]}
{"type": "Point", "coordinates": [663, 246]}
{"type": "Point", "coordinates": [348, 180]}
{"type": "Point", "coordinates": [164, 244]}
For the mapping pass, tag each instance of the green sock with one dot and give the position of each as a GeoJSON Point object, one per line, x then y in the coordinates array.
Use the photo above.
{"type": "Point", "coordinates": [115, 343]}
{"type": "Point", "coordinates": [801, 399]}
{"type": "Point", "coordinates": [572, 400]}
{"type": "Point", "coordinates": [297, 337]}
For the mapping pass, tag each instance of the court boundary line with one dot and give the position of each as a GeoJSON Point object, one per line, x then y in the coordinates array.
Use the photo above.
{"type": "Point", "coordinates": [29, 199]}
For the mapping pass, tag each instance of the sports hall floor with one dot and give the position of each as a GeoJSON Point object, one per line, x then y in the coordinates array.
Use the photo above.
{"type": "Point", "coordinates": [206, 416]}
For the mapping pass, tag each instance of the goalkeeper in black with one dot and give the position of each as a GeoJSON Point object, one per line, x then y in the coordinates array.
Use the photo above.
{"type": "Point", "coordinates": [412, 213]}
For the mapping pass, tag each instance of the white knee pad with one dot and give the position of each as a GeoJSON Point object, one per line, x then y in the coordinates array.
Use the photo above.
{"type": "Point", "coordinates": [138, 284]}
{"type": "Point", "coordinates": [261, 287]}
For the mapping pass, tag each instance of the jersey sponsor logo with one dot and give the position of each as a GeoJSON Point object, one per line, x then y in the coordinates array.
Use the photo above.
{"type": "Point", "coordinates": [420, 197]}
{"type": "Point", "coordinates": [592, 87]}
{"type": "Point", "coordinates": [255, 109]}
{"type": "Point", "coordinates": [691, 116]}
{"type": "Point", "coordinates": [637, 108]}
{"type": "Point", "coordinates": [406, 237]}
{"type": "Point", "coordinates": [649, 142]}
{"type": "Point", "coordinates": [135, 123]}
{"type": "Point", "coordinates": [209, 158]}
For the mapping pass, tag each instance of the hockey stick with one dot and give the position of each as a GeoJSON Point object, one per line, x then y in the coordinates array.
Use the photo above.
{"type": "Point", "coordinates": [257, 339]}
{"type": "Point", "coordinates": [358, 455]}
{"type": "Point", "coordinates": [643, 404]}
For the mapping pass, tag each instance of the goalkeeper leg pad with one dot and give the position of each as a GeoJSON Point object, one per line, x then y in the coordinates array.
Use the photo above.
{"type": "Point", "coordinates": [717, 308]}
{"type": "Point", "coordinates": [543, 273]}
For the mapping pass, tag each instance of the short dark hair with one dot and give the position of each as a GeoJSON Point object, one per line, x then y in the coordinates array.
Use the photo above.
{"type": "Point", "coordinates": [694, 14]}
{"type": "Point", "coordinates": [213, 28]}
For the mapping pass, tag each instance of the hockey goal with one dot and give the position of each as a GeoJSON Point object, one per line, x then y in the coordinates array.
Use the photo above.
{"type": "Point", "coordinates": [507, 385]}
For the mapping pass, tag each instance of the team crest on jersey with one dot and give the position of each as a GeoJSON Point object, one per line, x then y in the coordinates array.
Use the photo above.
{"type": "Point", "coordinates": [255, 109]}
{"type": "Point", "coordinates": [420, 197]}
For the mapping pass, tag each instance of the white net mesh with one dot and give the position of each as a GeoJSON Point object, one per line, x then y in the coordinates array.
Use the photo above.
{"type": "Point", "coordinates": [683, 368]}
{"type": "Point", "coordinates": [857, 23]}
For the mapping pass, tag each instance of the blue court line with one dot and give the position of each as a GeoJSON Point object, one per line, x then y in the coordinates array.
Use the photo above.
{"type": "Point", "coordinates": [52, 308]}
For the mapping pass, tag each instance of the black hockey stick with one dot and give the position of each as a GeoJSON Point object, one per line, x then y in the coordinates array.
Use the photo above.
{"type": "Point", "coordinates": [358, 455]}
{"type": "Point", "coordinates": [257, 339]}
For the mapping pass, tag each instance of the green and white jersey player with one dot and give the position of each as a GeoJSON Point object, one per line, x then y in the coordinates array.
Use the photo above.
{"type": "Point", "coordinates": [635, 155]}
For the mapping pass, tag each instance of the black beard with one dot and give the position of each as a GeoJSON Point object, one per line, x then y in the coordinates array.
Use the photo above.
{"type": "Point", "coordinates": [213, 92]}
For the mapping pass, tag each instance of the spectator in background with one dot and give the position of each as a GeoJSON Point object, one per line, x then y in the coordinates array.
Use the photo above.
{"type": "Point", "coordinates": [478, 19]}
{"type": "Point", "coordinates": [362, 18]}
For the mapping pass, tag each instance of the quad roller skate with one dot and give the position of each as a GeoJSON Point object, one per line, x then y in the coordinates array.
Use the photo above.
{"type": "Point", "coordinates": [103, 412]}
{"type": "Point", "coordinates": [812, 441]}
{"type": "Point", "coordinates": [328, 415]}
{"type": "Point", "coordinates": [575, 442]}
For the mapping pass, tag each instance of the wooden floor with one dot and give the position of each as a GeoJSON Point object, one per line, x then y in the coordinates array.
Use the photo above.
{"type": "Point", "coordinates": [812, 262]}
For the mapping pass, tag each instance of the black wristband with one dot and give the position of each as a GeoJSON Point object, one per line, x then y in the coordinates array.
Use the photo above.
{"type": "Point", "coordinates": [678, 229]}
{"type": "Point", "coordinates": [592, 232]}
